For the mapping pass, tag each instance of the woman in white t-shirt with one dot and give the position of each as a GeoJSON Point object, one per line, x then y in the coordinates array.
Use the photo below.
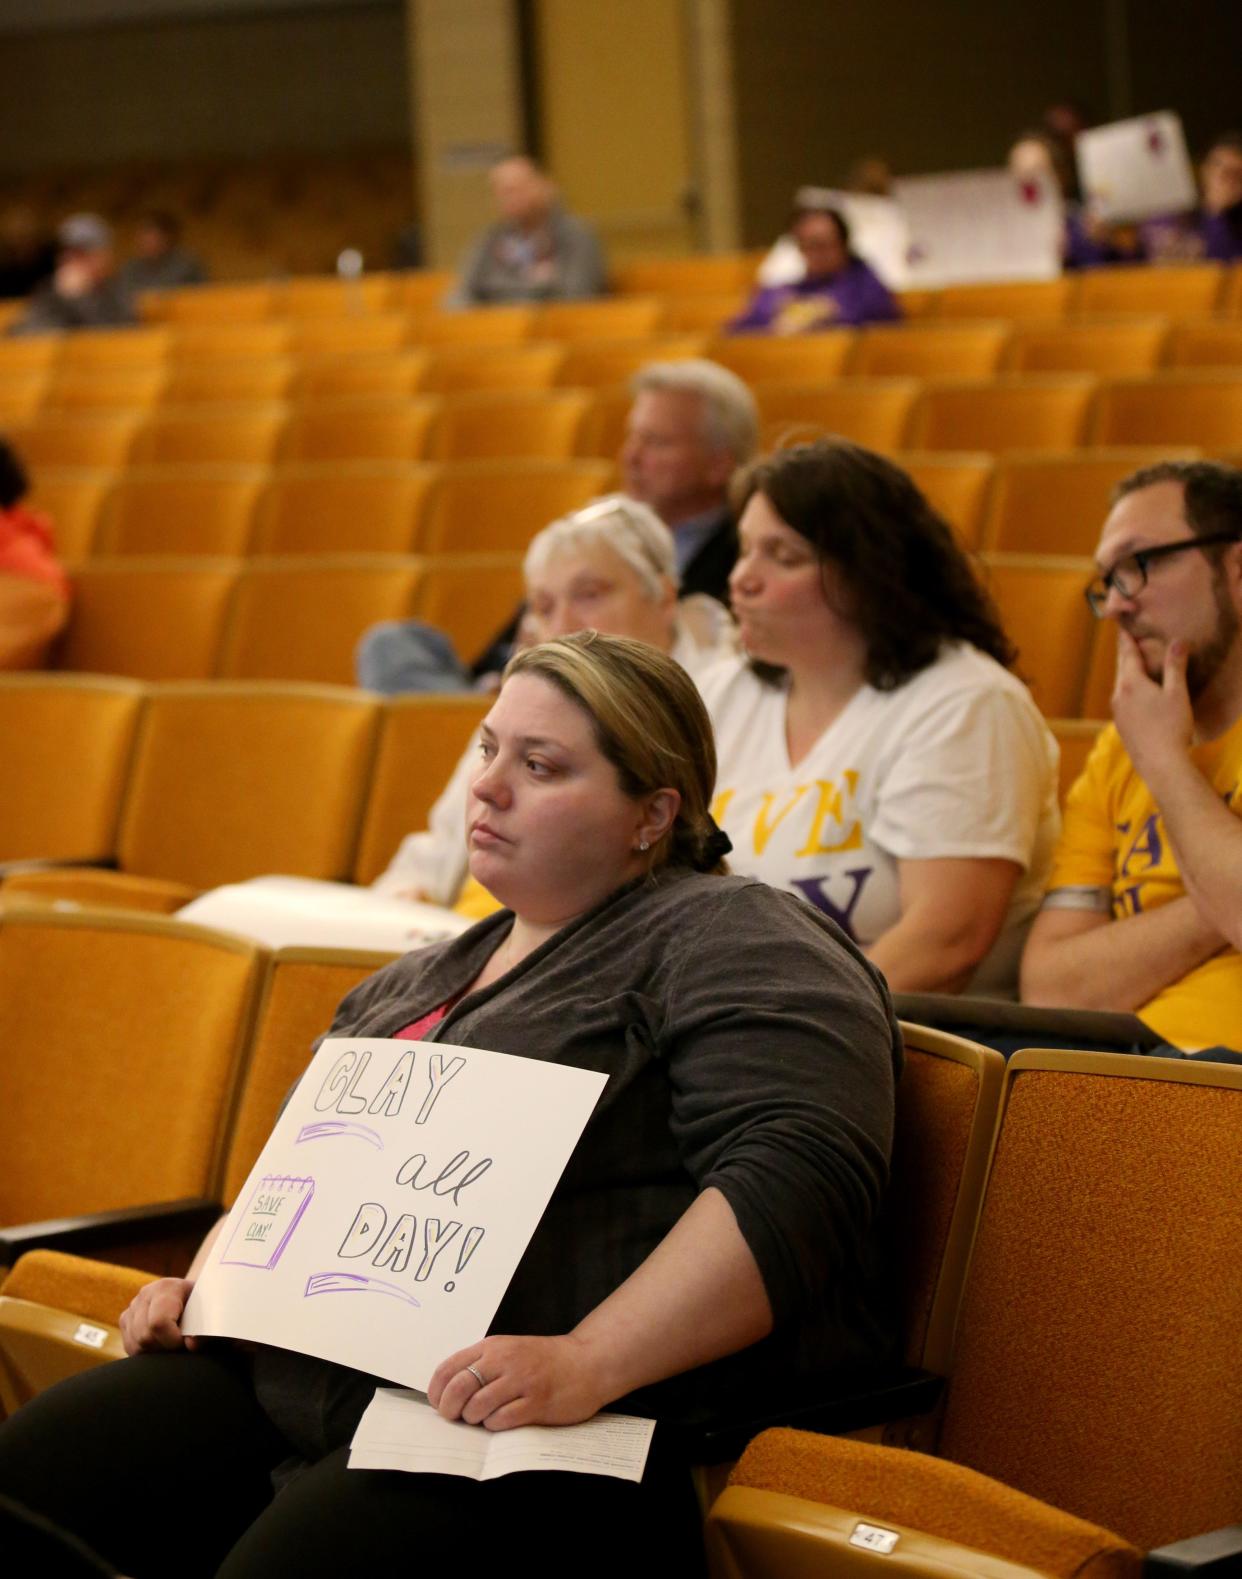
{"type": "Point", "coordinates": [875, 753]}
{"type": "Point", "coordinates": [610, 567]}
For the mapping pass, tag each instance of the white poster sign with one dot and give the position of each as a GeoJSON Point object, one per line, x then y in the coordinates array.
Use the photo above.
{"type": "Point", "coordinates": [878, 234]}
{"type": "Point", "coordinates": [1136, 169]}
{"type": "Point", "coordinates": [388, 1210]}
{"type": "Point", "coordinates": [976, 225]}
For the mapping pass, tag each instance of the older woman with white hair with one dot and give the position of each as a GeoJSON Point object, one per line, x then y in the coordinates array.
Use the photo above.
{"type": "Point", "coordinates": [609, 567]}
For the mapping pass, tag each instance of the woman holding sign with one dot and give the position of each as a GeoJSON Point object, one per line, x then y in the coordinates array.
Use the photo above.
{"type": "Point", "coordinates": [710, 1250]}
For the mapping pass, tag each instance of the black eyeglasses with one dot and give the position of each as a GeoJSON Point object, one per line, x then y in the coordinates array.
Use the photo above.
{"type": "Point", "coordinates": [1129, 575]}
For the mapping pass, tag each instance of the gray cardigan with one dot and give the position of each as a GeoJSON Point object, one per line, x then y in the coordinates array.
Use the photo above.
{"type": "Point", "coordinates": [749, 1047]}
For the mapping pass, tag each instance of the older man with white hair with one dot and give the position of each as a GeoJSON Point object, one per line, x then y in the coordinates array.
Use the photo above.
{"type": "Point", "coordinates": [691, 425]}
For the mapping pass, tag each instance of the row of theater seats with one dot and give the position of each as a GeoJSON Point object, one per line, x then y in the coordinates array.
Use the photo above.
{"type": "Point", "coordinates": [1009, 412]}
{"type": "Point", "coordinates": [488, 348]}
{"type": "Point", "coordinates": [1015, 503]}
{"type": "Point", "coordinates": [300, 618]}
{"type": "Point", "coordinates": [174, 788]}
{"type": "Point", "coordinates": [1037, 1281]}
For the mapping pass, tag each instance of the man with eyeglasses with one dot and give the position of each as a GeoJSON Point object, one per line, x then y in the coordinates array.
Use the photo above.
{"type": "Point", "coordinates": [1144, 908]}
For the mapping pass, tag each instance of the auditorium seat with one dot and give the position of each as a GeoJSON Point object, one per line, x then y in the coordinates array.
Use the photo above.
{"type": "Point", "coordinates": [122, 387]}
{"type": "Point", "coordinates": [871, 411]}
{"type": "Point", "coordinates": [1041, 603]}
{"type": "Point", "coordinates": [463, 369]}
{"type": "Point", "coordinates": [701, 314]}
{"type": "Point", "coordinates": [595, 364]}
{"type": "Point", "coordinates": [1005, 413]}
{"type": "Point", "coordinates": [382, 333]}
{"type": "Point", "coordinates": [515, 424]}
{"type": "Point", "coordinates": [231, 382]}
{"type": "Point", "coordinates": [473, 597]}
{"type": "Point", "coordinates": [1074, 737]}
{"type": "Point", "coordinates": [1020, 300]}
{"type": "Point", "coordinates": [612, 318]}
{"type": "Point", "coordinates": [1177, 290]}
{"type": "Point", "coordinates": [115, 348]}
{"type": "Point", "coordinates": [263, 778]}
{"type": "Point", "coordinates": [1090, 1415]}
{"type": "Point", "coordinates": [706, 274]}
{"type": "Point", "coordinates": [472, 326]}
{"type": "Point", "coordinates": [154, 619]}
{"type": "Point", "coordinates": [184, 510]}
{"type": "Point", "coordinates": [498, 506]}
{"type": "Point", "coordinates": [342, 507]}
{"type": "Point", "coordinates": [226, 341]}
{"type": "Point", "coordinates": [956, 486]}
{"type": "Point", "coordinates": [1109, 348]}
{"type": "Point", "coordinates": [71, 497]}
{"type": "Point", "coordinates": [1101, 672]}
{"type": "Point", "coordinates": [365, 428]}
{"type": "Point", "coordinates": [99, 439]}
{"type": "Point", "coordinates": [33, 353]}
{"type": "Point", "coordinates": [22, 394]}
{"type": "Point", "coordinates": [1205, 342]}
{"type": "Point", "coordinates": [231, 435]}
{"type": "Point", "coordinates": [1198, 408]}
{"type": "Point", "coordinates": [122, 1037]}
{"type": "Point", "coordinates": [340, 377]}
{"type": "Point", "coordinates": [784, 359]}
{"type": "Point", "coordinates": [929, 350]}
{"type": "Point", "coordinates": [1056, 504]}
{"type": "Point", "coordinates": [65, 744]}
{"type": "Point", "coordinates": [603, 424]}
{"type": "Point", "coordinates": [301, 618]}
{"type": "Point", "coordinates": [328, 297]}
{"type": "Point", "coordinates": [421, 289]}
{"type": "Point", "coordinates": [421, 738]}
{"type": "Point", "coordinates": [212, 304]}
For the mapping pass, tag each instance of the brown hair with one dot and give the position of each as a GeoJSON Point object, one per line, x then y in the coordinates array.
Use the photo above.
{"type": "Point", "coordinates": [649, 722]}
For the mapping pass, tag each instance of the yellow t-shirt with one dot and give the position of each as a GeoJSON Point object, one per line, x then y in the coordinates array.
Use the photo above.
{"type": "Point", "coordinates": [1113, 837]}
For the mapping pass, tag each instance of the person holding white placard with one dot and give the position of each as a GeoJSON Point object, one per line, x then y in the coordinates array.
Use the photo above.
{"type": "Point", "coordinates": [712, 1248]}
{"type": "Point", "coordinates": [877, 757]}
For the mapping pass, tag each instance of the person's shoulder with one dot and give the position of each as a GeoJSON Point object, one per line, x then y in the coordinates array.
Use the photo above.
{"type": "Point", "coordinates": [961, 668]}
{"type": "Point", "coordinates": [731, 681]}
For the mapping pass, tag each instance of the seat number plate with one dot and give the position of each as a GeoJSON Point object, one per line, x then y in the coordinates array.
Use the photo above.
{"type": "Point", "coordinates": [91, 1337]}
{"type": "Point", "coordinates": [874, 1538]}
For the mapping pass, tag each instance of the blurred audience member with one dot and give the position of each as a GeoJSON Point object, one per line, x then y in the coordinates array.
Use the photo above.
{"type": "Point", "coordinates": [837, 289]}
{"type": "Point", "coordinates": [160, 262]}
{"type": "Point", "coordinates": [1087, 242]}
{"type": "Point", "coordinates": [535, 251]}
{"type": "Point", "coordinates": [1213, 231]}
{"type": "Point", "coordinates": [27, 256]}
{"type": "Point", "coordinates": [34, 589]}
{"type": "Point", "coordinates": [85, 291]}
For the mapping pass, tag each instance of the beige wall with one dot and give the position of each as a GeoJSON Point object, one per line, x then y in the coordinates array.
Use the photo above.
{"type": "Point", "coordinates": [319, 80]}
{"type": "Point", "coordinates": [611, 98]}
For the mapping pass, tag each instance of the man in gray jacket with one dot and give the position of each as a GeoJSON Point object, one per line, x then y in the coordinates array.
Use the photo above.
{"type": "Point", "coordinates": [535, 251]}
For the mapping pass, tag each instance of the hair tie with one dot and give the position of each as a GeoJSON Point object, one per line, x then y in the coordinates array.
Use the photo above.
{"type": "Point", "coordinates": [715, 847]}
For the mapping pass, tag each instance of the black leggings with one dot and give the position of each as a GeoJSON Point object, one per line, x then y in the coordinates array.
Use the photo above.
{"type": "Point", "coordinates": [162, 1464]}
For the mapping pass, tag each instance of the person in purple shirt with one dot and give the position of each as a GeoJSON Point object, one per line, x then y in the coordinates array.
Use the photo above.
{"type": "Point", "coordinates": [1213, 231]}
{"type": "Point", "coordinates": [837, 289]}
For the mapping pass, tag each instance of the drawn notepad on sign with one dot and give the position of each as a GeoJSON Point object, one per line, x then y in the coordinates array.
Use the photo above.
{"type": "Point", "coordinates": [274, 1210]}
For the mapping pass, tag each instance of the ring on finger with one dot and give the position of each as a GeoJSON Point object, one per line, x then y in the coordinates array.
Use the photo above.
{"type": "Point", "coordinates": [477, 1374]}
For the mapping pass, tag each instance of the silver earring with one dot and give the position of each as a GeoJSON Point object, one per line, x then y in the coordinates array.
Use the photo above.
{"type": "Point", "coordinates": [644, 845]}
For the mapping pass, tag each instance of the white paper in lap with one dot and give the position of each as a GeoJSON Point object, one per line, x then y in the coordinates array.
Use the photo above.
{"type": "Point", "coordinates": [1136, 169]}
{"type": "Point", "coordinates": [387, 1213]}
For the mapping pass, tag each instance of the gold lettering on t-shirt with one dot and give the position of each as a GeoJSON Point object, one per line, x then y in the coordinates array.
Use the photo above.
{"type": "Point", "coordinates": [720, 805]}
{"type": "Point", "coordinates": [766, 826]}
{"type": "Point", "coordinates": [830, 805]}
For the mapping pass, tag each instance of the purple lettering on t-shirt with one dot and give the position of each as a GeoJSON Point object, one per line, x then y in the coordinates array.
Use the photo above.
{"type": "Point", "coordinates": [813, 888]}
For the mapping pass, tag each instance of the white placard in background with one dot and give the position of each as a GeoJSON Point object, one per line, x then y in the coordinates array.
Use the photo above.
{"type": "Point", "coordinates": [977, 225]}
{"type": "Point", "coordinates": [282, 911]}
{"type": "Point", "coordinates": [387, 1213]}
{"type": "Point", "coordinates": [1136, 169]}
{"type": "Point", "coordinates": [878, 234]}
